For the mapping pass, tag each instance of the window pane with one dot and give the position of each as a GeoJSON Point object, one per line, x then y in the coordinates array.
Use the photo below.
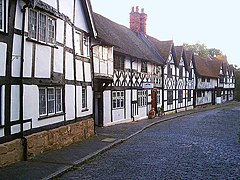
{"type": "Point", "coordinates": [51, 100]}
{"type": "Point", "coordinates": [42, 27]}
{"type": "Point", "coordinates": [42, 101]}
{"type": "Point", "coordinates": [58, 100]}
{"type": "Point", "coordinates": [32, 24]}
{"type": "Point", "coordinates": [84, 98]}
{"type": "Point", "coordinates": [51, 30]}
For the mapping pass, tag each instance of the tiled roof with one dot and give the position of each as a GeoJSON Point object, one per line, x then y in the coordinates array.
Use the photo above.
{"type": "Point", "coordinates": [163, 47]}
{"type": "Point", "coordinates": [125, 41]}
{"type": "Point", "coordinates": [206, 67]}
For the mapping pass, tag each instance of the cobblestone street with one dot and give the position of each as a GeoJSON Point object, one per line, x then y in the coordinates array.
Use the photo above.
{"type": "Point", "coordinates": [199, 146]}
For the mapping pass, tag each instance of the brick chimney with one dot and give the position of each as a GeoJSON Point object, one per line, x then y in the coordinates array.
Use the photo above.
{"type": "Point", "coordinates": [143, 20]}
{"type": "Point", "coordinates": [138, 21]}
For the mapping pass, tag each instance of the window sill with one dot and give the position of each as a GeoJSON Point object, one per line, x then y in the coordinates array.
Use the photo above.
{"type": "Point", "coordinates": [51, 116]}
{"type": "Point", "coordinates": [41, 43]}
{"type": "Point", "coordinates": [84, 110]}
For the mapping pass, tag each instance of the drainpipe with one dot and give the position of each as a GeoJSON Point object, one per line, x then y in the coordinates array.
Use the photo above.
{"type": "Point", "coordinates": [21, 86]}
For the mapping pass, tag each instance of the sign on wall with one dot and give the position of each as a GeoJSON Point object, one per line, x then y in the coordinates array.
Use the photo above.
{"type": "Point", "coordinates": [147, 85]}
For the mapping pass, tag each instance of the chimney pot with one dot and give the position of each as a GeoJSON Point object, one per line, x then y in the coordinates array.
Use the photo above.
{"type": "Point", "coordinates": [142, 10]}
{"type": "Point", "coordinates": [137, 9]}
{"type": "Point", "coordinates": [132, 9]}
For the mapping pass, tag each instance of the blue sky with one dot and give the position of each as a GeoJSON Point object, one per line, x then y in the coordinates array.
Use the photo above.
{"type": "Point", "coordinates": [212, 22]}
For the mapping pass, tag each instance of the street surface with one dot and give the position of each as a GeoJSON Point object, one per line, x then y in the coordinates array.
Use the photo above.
{"type": "Point", "coordinates": [199, 146]}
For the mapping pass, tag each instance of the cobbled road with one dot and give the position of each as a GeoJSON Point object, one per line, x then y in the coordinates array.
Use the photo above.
{"type": "Point", "coordinates": [199, 146]}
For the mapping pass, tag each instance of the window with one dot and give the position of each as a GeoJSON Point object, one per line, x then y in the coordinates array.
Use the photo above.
{"type": "Point", "coordinates": [169, 71]}
{"type": "Point", "coordinates": [199, 94]}
{"type": "Point", "coordinates": [144, 67]}
{"type": "Point", "coordinates": [221, 79]}
{"type": "Point", "coordinates": [142, 99]}
{"type": "Point", "coordinates": [203, 79]}
{"type": "Point", "coordinates": [180, 71]}
{"type": "Point", "coordinates": [189, 95]}
{"type": "Point", "coordinates": [190, 74]}
{"type": "Point", "coordinates": [180, 96]}
{"type": "Point", "coordinates": [159, 96]}
{"type": "Point", "coordinates": [41, 27]}
{"type": "Point", "coordinates": [118, 62]}
{"type": "Point", "coordinates": [84, 98]}
{"type": "Point", "coordinates": [1, 14]}
{"type": "Point", "coordinates": [82, 46]}
{"type": "Point", "coordinates": [169, 97]}
{"type": "Point", "coordinates": [208, 79]}
{"type": "Point", "coordinates": [118, 99]}
{"type": "Point", "coordinates": [50, 101]}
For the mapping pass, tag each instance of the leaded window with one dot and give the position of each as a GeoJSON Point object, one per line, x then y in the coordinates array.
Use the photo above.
{"type": "Point", "coordinates": [169, 97]}
{"type": "Point", "coordinates": [169, 71]}
{"type": "Point", "coordinates": [189, 95]}
{"type": "Point", "coordinates": [144, 67]}
{"type": "Point", "coordinates": [41, 27]}
{"type": "Point", "coordinates": [50, 100]}
{"type": "Point", "coordinates": [159, 96]}
{"type": "Point", "coordinates": [180, 96]}
{"type": "Point", "coordinates": [180, 71]}
{"type": "Point", "coordinates": [118, 99]}
{"type": "Point", "coordinates": [118, 62]}
{"type": "Point", "coordinates": [142, 98]}
{"type": "Point", "coordinates": [1, 14]}
{"type": "Point", "coordinates": [84, 98]}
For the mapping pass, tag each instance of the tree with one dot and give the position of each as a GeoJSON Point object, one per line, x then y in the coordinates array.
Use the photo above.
{"type": "Point", "coordinates": [203, 51]}
{"type": "Point", "coordinates": [199, 49]}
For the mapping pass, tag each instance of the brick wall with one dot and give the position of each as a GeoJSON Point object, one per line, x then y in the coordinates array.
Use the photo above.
{"type": "Point", "coordinates": [53, 139]}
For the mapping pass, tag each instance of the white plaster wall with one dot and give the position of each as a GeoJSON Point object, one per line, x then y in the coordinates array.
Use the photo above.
{"type": "Point", "coordinates": [27, 64]}
{"type": "Point", "coordinates": [79, 100]}
{"type": "Point", "coordinates": [142, 111]}
{"type": "Point", "coordinates": [58, 60]}
{"type": "Point", "coordinates": [87, 68]}
{"type": "Point", "coordinates": [43, 61]}
{"type": "Point", "coordinates": [2, 105]}
{"type": "Point", "coordinates": [80, 18]}
{"type": "Point", "coordinates": [48, 121]}
{"type": "Point", "coordinates": [107, 107]}
{"type": "Point", "coordinates": [3, 50]}
{"type": "Point", "coordinates": [70, 102]}
{"type": "Point", "coordinates": [79, 69]}
{"type": "Point", "coordinates": [135, 65]}
{"type": "Point", "coordinates": [52, 3]}
{"type": "Point", "coordinates": [110, 60]}
{"type": "Point", "coordinates": [16, 59]}
{"type": "Point", "coordinates": [60, 31]}
{"type": "Point", "coordinates": [15, 103]}
{"type": "Point", "coordinates": [96, 65]}
{"type": "Point", "coordinates": [27, 126]}
{"type": "Point", "coordinates": [15, 129]}
{"type": "Point", "coordinates": [66, 7]}
{"type": "Point", "coordinates": [134, 97]}
{"type": "Point", "coordinates": [69, 36]}
{"type": "Point", "coordinates": [103, 67]}
{"type": "Point", "coordinates": [128, 103]}
{"type": "Point", "coordinates": [118, 114]}
{"type": "Point", "coordinates": [30, 102]}
{"type": "Point", "coordinates": [69, 66]}
{"type": "Point", "coordinates": [1, 132]}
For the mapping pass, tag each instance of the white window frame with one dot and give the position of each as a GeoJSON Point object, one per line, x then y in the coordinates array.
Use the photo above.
{"type": "Point", "coordinates": [142, 98]}
{"type": "Point", "coordinates": [44, 30]}
{"type": "Point", "coordinates": [84, 98]}
{"type": "Point", "coordinates": [2, 15]}
{"type": "Point", "coordinates": [51, 98]}
{"type": "Point", "coordinates": [117, 99]}
{"type": "Point", "coordinates": [82, 44]}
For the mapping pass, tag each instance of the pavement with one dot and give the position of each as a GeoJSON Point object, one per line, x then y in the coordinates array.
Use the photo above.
{"type": "Point", "coordinates": [52, 164]}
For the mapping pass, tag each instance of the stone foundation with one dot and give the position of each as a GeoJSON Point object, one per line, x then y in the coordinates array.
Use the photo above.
{"type": "Point", "coordinates": [53, 139]}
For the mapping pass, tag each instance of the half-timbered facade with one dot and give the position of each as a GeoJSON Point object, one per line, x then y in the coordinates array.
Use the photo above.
{"type": "Point", "coordinates": [134, 65]}
{"type": "Point", "coordinates": [45, 73]}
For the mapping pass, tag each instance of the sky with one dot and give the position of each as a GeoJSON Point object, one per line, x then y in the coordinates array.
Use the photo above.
{"type": "Point", "coordinates": [214, 23]}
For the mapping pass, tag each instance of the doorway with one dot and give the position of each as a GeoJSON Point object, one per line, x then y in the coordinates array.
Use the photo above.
{"type": "Point", "coordinates": [98, 110]}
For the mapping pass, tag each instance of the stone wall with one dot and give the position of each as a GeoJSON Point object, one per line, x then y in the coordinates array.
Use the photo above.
{"type": "Point", "coordinates": [53, 139]}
